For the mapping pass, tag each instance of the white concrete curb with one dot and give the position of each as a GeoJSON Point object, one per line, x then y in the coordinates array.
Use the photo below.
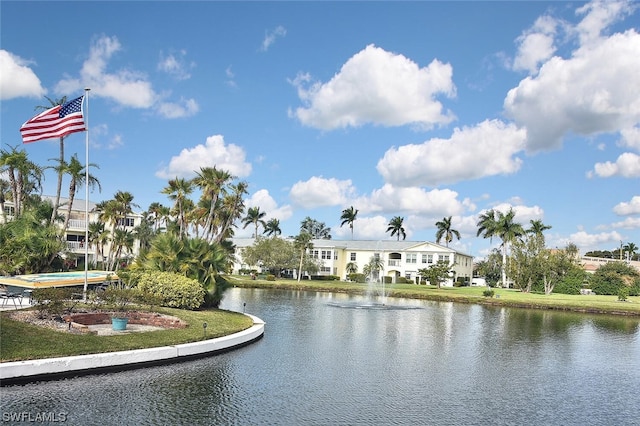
{"type": "Point", "coordinates": [41, 369]}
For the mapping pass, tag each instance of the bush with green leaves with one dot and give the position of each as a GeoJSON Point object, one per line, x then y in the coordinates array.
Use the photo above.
{"type": "Point", "coordinates": [488, 293]}
{"type": "Point", "coordinates": [357, 277]}
{"type": "Point", "coordinates": [172, 290]}
{"type": "Point", "coordinates": [612, 276]}
{"type": "Point", "coordinates": [623, 294]}
{"type": "Point", "coordinates": [54, 301]}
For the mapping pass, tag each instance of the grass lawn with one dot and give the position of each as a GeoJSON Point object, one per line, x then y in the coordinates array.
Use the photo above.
{"type": "Point", "coordinates": [503, 297]}
{"type": "Point", "coordinates": [22, 341]}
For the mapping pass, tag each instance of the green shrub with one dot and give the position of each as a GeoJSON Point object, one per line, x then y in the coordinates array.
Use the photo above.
{"type": "Point", "coordinates": [357, 277]}
{"type": "Point", "coordinates": [623, 294]}
{"type": "Point", "coordinates": [387, 280]}
{"type": "Point", "coordinates": [215, 291]}
{"type": "Point", "coordinates": [271, 277]}
{"type": "Point", "coordinates": [173, 290]}
{"type": "Point", "coordinates": [325, 277]}
{"type": "Point", "coordinates": [54, 302]}
{"type": "Point", "coordinates": [488, 292]}
{"type": "Point", "coordinates": [612, 276]}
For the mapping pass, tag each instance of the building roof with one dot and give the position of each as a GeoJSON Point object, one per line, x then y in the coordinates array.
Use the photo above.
{"type": "Point", "coordinates": [361, 245]}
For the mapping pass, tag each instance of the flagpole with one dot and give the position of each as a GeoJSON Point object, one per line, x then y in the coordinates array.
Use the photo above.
{"type": "Point", "coordinates": [86, 198]}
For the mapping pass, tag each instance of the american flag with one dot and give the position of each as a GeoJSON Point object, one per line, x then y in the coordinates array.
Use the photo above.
{"type": "Point", "coordinates": [56, 122]}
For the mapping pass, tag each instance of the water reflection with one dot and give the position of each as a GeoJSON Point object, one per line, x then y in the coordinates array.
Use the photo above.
{"type": "Point", "coordinates": [443, 363]}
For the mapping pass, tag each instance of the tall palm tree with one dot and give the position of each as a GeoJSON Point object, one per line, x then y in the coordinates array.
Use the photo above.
{"type": "Point", "coordinates": [212, 182]}
{"type": "Point", "coordinates": [154, 213]}
{"type": "Point", "coordinates": [537, 227]}
{"type": "Point", "coordinates": [348, 217]}
{"type": "Point", "coordinates": [232, 209]}
{"type": "Point", "coordinates": [24, 175]}
{"type": "Point", "coordinates": [61, 167]}
{"type": "Point", "coordinates": [502, 225]}
{"type": "Point", "coordinates": [396, 227]}
{"type": "Point", "coordinates": [98, 237]}
{"type": "Point", "coordinates": [630, 248]}
{"type": "Point", "coordinates": [318, 230]}
{"type": "Point", "coordinates": [178, 190]}
{"type": "Point", "coordinates": [303, 243]}
{"type": "Point", "coordinates": [254, 216]}
{"type": "Point", "coordinates": [272, 227]}
{"type": "Point", "coordinates": [76, 171]}
{"type": "Point", "coordinates": [4, 189]}
{"type": "Point", "coordinates": [445, 230]}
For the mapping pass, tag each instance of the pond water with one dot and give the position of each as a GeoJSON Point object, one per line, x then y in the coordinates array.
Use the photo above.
{"type": "Point", "coordinates": [320, 363]}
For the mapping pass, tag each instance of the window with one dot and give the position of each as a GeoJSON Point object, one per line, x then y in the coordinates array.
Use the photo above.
{"type": "Point", "coordinates": [326, 254]}
{"type": "Point", "coordinates": [424, 258]}
{"type": "Point", "coordinates": [325, 269]}
{"type": "Point", "coordinates": [412, 258]}
{"type": "Point", "coordinates": [352, 257]}
{"type": "Point", "coordinates": [314, 254]}
{"type": "Point", "coordinates": [429, 258]}
{"type": "Point", "coordinates": [126, 222]}
{"type": "Point", "coordinates": [445, 258]}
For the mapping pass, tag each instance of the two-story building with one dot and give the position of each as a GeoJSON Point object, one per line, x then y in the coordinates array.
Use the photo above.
{"type": "Point", "coordinates": [398, 258]}
{"type": "Point", "coordinates": [75, 233]}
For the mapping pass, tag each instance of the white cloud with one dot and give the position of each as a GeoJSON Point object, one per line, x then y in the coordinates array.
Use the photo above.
{"type": "Point", "coordinates": [389, 199]}
{"type": "Point", "coordinates": [214, 153]}
{"type": "Point", "coordinates": [271, 36]}
{"type": "Point", "coordinates": [175, 64]}
{"type": "Point", "coordinates": [587, 242]}
{"type": "Point", "coordinates": [17, 79]}
{"type": "Point", "coordinates": [186, 108]}
{"type": "Point", "coordinates": [627, 165]}
{"type": "Point", "coordinates": [632, 207]}
{"type": "Point", "coordinates": [598, 16]}
{"type": "Point", "coordinates": [631, 138]}
{"type": "Point", "coordinates": [126, 87]}
{"type": "Point", "coordinates": [267, 204]}
{"type": "Point", "coordinates": [379, 87]}
{"type": "Point", "coordinates": [471, 153]}
{"type": "Point", "coordinates": [595, 90]}
{"type": "Point", "coordinates": [536, 45]}
{"type": "Point", "coordinates": [319, 192]}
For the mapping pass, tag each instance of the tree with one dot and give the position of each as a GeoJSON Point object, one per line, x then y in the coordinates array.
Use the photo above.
{"type": "Point", "coordinates": [396, 228]}
{"type": "Point", "coordinates": [24, 176]}
{"type": "Point", "coordinates": [302, 244]}
{"type": "Point", "coordinates": [436, 273]}
{"type": "Point", "coordinates": [254, 216]}
{"type": "Point", "coordinates": [537, 227]}
{"type": "Point", "coordinates": [317, 230]}
{"type": "Point", "coordinates": [77, 173]}
{"type": "Point", "coordinates": [613, 276]}
{"type": "Point", "coordinates": [272, 228]}
{"type": "Point", "coordinates": [348, 217]}
{"type": "Point", "coordinates": [273, 253]}
{"type": "Point", "coordinates": [178, 190]}
{"type": "Point", "coordinates": [212, 182]}
{"type": "Point", "coordinates": [445, 230]}
{"type": "Point", "coordinates": [351, 268]}
{"type": "Point", "coordinates": [630, 249]}
{"type": "Point", "coordinates": [490, 268]}
{"type": "Point", "coordinates": [373, 268]}
{"type": "Point", "coordinates": [494, 223]}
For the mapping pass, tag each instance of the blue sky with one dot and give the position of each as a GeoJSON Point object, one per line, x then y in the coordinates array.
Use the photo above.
{"type": "Point", "coordinates": [422, 110]}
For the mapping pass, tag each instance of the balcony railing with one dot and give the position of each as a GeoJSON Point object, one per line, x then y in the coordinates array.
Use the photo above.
{"type": "Point", "coordinates": [393, 263]}
{"type": "Point", "coordinates": [76, 224]}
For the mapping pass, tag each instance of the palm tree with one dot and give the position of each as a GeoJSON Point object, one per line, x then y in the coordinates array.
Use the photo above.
{"type": "Point", "coordinates": [61, 167]}
{"type": "Point", "coordinates": [24, 175]}
{"type": "Point", "coordinates": [76, 171]}
{"type": "Point", "coordinates": [154, 213]}
{"type": "Point", "coordinates": [231, 210]}
{"type": "Point", "coordinates": [272, 227]}
{"type": "Point", "coordinates": [211, 182]}
{"type": "Point", "coordinates": [98, 237]}
{"type": "Point", "coordinates": [630, 248]}
{"type": "Point", "coordinates": [537, 227]}
{"type": "Point", "coordinates": [178, 190]}
{"type": "Point", "coordinates": [445, 230]}
{"type": "Point", "coordinates": [348, 217]}
{"type": "Point", "coordinates": [4, 188]}
{"type": "Point", "coordinates": [495, 223]}
{"type": "Point", "coordinates": [351, 268]}
{"type": "Point", "coordinates": [303, 243]}
{"type": "Point", "coordinates": [318, 230]}
{"type": "Point", "coordinates": [254, 216]}
{"type": "Point", "coordinates": [396, 228]}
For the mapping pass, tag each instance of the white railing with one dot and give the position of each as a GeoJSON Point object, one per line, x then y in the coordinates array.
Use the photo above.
{"type": "Point", "coordinates": [76, 246]}
{"type": "Point", "coordinates": [393, 263]}
{"type": "Point", "coordinates": [76, 224]}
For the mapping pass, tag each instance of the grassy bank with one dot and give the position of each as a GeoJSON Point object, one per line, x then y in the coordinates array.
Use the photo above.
{"type": "Point", "coordinates": [23, 341]}
{"type": "Point", "coordinates": [503, 297]}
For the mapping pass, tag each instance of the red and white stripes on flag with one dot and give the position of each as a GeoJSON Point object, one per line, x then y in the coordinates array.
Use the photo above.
{"type": "Point", "coordinates": [56, 122]}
